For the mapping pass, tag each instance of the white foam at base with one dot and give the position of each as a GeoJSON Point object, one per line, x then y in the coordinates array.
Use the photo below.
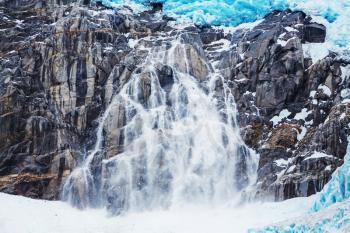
{"type": "Point", "coordinates": [24, 215]}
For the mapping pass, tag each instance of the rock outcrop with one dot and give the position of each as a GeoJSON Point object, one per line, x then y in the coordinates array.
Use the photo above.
{"type": "Point", "coordinates": [62, 61]}
{"type": "Point", "coordinates": [55, 61]}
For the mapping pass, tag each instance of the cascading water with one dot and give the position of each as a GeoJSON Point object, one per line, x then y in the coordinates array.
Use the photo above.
{"type": "Point", "coordinates": [179, 137]}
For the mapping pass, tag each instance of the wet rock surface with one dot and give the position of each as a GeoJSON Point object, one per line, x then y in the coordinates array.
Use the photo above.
{"type": "Point", "coordinates": [61, 62]}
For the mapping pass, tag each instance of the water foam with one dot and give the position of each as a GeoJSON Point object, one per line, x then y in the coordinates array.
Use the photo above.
{"type": "Point", "coordinates": [181, 143]}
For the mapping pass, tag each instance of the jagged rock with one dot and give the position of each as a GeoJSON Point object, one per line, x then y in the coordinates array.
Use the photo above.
{"type": "Point", "coordinates": [314, 33]}
{"type": "Point", "coordinates": [190, 58]}
{"type": "Point", "coordinates": [53, 86]}
{"type": "Point", "coordinates": [252, 134]}
{"type": "Point", "coordinates": [285, 136]}
{"type": "Point", "coordinates": [61, 63]}
{"type": "Point", "coordinates": [270, 73]}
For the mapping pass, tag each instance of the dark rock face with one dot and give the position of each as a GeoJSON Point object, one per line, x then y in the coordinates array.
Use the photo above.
{"type": "Point", "coordinates": [314, 32]}
{"type": "Point", "coordinates": [61, 62]}
{"type": "Point", "coordinates": [54, 70]}
{"type": "Point", "coordinates": [273, 80]}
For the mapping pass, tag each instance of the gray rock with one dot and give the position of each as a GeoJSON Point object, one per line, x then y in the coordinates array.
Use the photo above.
{"type": "Point", "coordinates": [61, 62]}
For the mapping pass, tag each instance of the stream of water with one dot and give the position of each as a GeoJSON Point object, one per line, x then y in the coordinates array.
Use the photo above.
{"type": "Point", "coordinates": [180, 140]}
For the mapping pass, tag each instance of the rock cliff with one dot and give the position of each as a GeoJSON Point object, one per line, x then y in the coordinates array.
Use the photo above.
{"type": "Point", "coordinates": [62, 61]}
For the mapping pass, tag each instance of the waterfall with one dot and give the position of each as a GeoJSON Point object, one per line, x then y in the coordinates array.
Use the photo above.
{"type": "Point", "coordinates": [176, 125]}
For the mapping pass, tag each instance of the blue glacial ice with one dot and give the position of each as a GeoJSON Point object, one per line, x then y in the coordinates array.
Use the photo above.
{"type": "Point", "coordinates": [338, 188]}
{"type": "Point", "coordinates": [330, 211]}
{"type": "Point", "coordinates": [234, 12]}
{"type": "Point", "coordinates": [332, 13]}
{"type": "Point", "coordinates": [333, 220]}
{"type": "Point", "coordinates": [216, 12]}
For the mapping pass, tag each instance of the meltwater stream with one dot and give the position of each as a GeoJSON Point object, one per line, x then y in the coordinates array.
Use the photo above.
{"type": "Point", "coordinates": [179, 138]}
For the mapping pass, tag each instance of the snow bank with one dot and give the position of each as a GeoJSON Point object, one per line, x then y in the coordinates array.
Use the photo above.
{"type": "Point", "coordinates": [23, 215]}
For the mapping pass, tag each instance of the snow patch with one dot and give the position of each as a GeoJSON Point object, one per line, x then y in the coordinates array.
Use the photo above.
{"type": "Point", "coordinates": [290, 29]}
{"type": "Point", "coordinates": [345, 72]}
{"type": "Point", "coordinates": [302, 134]}
{"type": "Point", "coordinates": [315, 51]}
{"type": "Point", "coordinates": [283, 114]}
{"type": "Point", "coordinates": [325, 90]}
{"type": "Point", "coordinates": [242, 26]}
{"type": "Point", "coordinates": [318, 155]}
{"type": "Point", "coordinates": [302, 115]}
{"type": "Point", "coordinates": [281, 162]}
{"type": "Point", "coordinates": [312, 94]}
{"type": "Point", "coordinates": [282, 42]}
{"type": "Point", "coordinates": [345, 93]}
{"type": "Point", "coordinates": [291, 169]}
{"type": "Point", "coordinates": [132, 43]}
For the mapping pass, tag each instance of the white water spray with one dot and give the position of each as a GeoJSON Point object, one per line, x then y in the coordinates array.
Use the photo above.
{"type": "Point", "coordinates": [180, 141]}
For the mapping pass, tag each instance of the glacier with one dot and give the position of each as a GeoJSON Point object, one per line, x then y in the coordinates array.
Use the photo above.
{"type": "Point", "coordinates": [219, 12]}
{"type": "Point", "coordinates": [338, 188]}
{"type": "Point", "coordinates": [333, 14]}
{"type": "Point", "coordinates": [332, 220]}
{"type": "Point", "coordinates": [330, 210]}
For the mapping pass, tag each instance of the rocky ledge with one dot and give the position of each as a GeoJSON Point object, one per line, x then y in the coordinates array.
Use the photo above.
{"type": "Point", "coordinates": [61, 61]}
